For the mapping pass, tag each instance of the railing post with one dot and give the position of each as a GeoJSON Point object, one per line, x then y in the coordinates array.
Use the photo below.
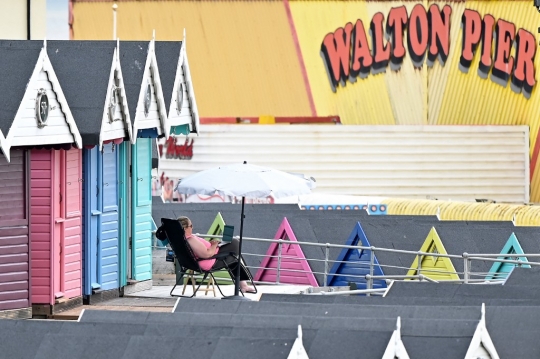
{"type": "Point", "coordinates": [466, 267]}
{"type": "Point", "coordinates": [278, 261]}
{"type": "Point", "coordinates": [419, 257]}
{"type": "Point", "coordinates": [371, 271]}
{"type": "Point", "coordinates": [326, 255]}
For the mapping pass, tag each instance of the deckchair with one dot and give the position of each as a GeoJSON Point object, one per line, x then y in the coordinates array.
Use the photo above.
{"type": "Point", "coordinates": [172, 230]}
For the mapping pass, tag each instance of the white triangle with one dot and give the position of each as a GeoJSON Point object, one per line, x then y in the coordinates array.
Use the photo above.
{"type": "Point", "coordinates": [298, 351]}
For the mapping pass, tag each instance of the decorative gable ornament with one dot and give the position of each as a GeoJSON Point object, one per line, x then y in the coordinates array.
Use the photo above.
{"type": "Point", "coordinates": [147, 99]}
{"type": "Point", "coordinates": [114, 103]}
{"type": "Point", "coordinates": [42, 108]}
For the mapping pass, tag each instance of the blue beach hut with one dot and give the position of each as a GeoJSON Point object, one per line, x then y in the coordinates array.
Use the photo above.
{"type": "Point", "coordinates": [148, 114]}
{"type": "Point", "coordinates": [353, 264]}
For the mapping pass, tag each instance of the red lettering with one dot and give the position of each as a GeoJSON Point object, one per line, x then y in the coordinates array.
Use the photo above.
{"type": "Point", "coordinates": [395, 25]}
{"type": "Point", "coordinates": [381, 52]}
{"type": "Point", "coordinates": [439, 23]}
{"type": "Point", "coordinates": [487, 39]}
{"type": "Point", "coordinates": [418, 34]}
{"type": "Point", "coordinates": [503, 64]}
{"type": "Point", "coordinates": [523, 76]}
{"type": "Point", "coordinates": [361, 56]}
{"type": "Point", "coordinates": [336, 50]}
{"type": "Point", "coordinates": [471, 24]}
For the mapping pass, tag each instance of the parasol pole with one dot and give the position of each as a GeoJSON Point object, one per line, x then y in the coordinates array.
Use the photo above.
{"type": "Point", "coordinates": [237, 275]}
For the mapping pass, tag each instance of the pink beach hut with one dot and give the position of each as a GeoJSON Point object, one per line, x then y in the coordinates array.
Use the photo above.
{"type": "Point", "coordinates": [293, 266]}
{"type": "Point", "coordinates": [43, 129]}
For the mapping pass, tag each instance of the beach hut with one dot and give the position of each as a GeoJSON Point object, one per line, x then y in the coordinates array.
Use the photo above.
{"type": "Point", "coordinates": [286, 263]}
{"type": "Point", "coordinates": [500, 270]}
{"type": "Point", "coordinates": [40, 137]}
{"type": "Point", "coordinates": [352, 264]}
{"type": "Point", "coordinates": [183, 115]}
{"type": "Point", "coordinates": [148, 115]}
{"type": "Point", "coordinates": [90, 73]}
{"type": "Point", "coordinates": [14, 241]}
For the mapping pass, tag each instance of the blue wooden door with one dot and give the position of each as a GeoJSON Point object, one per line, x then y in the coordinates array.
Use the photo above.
{"type": "Point", "coordinates": [91, 219]}
{"type": "Point", "coordinates": [124, 211]}
{"type": "Point", "coordinates": [109, 232]}
{"type": "Point", "coordinates": [141, 241]}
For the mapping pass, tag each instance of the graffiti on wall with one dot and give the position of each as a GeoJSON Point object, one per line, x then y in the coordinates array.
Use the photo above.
{"type": "Point", "coordinates": [506, 53]}
{"type": "Point", "coordinates": [175, 149]}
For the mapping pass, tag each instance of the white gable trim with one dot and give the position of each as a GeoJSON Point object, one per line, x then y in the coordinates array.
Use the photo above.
{"type": "Point", "coordinates": [43, 64]}
{"type": "Point", "coordinates": [151, 73]}
{"type": "Point", "coordinates": [183, 73]}
{"type": "Point", "coordinates": [107, 131]}
{"type": "Point", "coordinates": [191, 92]}
{"type": "Point", "coordinates": [2, 140]}
{"type": "Point", "coordinates": [298, 351]}
{"type": "Point", "coordinates": [395, 348]}
{"type": "Point", "coordinates": [481, 337]}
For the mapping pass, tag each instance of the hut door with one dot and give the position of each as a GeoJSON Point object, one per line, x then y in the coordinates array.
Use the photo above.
{"type": "Point", "coordinates": [91, 219]}
{"type": "Point", "coordinates": [124, 184]}
{"type": "Point", "coordinates": [66, 247]}
{"type": "Point", "coordinates": [59, 219]}
{"type": "Point", "coordinates": [108, 244]}
{"type": "Point", "coordinates": [141, 242]}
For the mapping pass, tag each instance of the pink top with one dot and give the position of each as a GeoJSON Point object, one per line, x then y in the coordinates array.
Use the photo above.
{"type": "Point", "coordinates": [208, 263]}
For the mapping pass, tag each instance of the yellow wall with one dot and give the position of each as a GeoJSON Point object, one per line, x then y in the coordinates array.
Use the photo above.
{"type": "Point", "coordinates": [242, 57]}
{"type": "Point", "coordinates": [447, 210]}
{"type": "Point", "coordinates": [438, 95]}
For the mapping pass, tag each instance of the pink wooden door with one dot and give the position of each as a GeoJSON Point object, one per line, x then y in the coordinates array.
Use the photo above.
{"type": "Point", "coordinates": [72, 225]}
{"type": "Point", "coordinates": [67, 238]}
{"type": "Point", "coordinates": [58, 223]}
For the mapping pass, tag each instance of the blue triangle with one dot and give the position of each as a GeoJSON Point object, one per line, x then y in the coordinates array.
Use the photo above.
{"type": "Point", "coordinates": [500, 270]}
{"type": "Point", "coordinates": [353, 264]}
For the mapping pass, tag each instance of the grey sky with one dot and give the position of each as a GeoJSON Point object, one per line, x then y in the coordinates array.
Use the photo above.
{"type": "Point", "coordinates": [57, 19]}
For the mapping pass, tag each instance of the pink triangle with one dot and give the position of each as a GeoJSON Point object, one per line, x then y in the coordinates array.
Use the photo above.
{"type": "Point", "coordinates": [294, 268]}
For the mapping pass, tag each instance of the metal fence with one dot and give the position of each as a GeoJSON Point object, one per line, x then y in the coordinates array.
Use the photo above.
{"type": "Point", "coordinates": [468, 275]}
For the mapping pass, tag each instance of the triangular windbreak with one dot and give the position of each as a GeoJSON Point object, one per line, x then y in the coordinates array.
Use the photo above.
{"type": "Point", "coordinates": [500, 270]}
{"type": "Point", "coordinates": [293, 265]}
{"type": "Point", "coordinates": [353, 264]}
{"type": "Point", "coordinates": [216, 229]}
{"type": "Point", "coordinates": [434, 267]}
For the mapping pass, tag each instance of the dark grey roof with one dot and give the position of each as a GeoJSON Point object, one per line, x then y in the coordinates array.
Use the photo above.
{"type": "Point", "coordinates": [524, 277]}
{"type": "Point", "coordinates": [83, 69]}
{"type": "Point", "coordinates": [167, 56]}
{"type": "Point", "coordinates": [457, 291]}
{"type": "Point", "coordinates": [133, 56]}
{"type": "Point", "coordinates": [473, 237]}
{"type": "Point", "coordinates": [529, 238]}
{"type": "Point", "coordinates": [399, 232]}
{"type": "Point", "coordinates": [399, 300]}
{"type": "Point", "coordinates": [17, 62]}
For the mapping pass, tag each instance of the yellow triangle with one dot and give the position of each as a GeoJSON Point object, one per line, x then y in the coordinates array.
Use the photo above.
{"type": "Point", "coordinates": [217, 226]}
{"type": "Point", "coordinates": [437, 268]}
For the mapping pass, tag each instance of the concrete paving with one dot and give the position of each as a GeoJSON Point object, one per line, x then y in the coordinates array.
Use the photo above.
{"type": "Point", "coordinates": [228, 290]}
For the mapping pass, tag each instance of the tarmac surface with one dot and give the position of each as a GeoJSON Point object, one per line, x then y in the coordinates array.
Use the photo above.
{"type": "Point", "coordinates": [158, 299]}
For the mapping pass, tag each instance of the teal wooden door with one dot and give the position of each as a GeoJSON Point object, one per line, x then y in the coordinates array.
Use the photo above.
{"type": "Point", "coordinates": [124, 210]}
{"type": "Point", "coordinates": [141, 234]}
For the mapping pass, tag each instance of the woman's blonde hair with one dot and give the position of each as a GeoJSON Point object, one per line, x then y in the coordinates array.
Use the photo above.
{"type": "Point", "coordinates": [184, 221]}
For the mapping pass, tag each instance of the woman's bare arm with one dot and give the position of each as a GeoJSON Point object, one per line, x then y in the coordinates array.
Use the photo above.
{"type": "Point", "coordinates": [200, 249]}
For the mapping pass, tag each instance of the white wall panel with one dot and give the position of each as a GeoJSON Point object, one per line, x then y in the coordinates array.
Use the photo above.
{"type": "Point", "coordinates": [443, 162]}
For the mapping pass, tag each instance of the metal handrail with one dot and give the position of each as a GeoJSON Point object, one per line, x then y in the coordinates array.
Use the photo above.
{"type": "Point", "coordinates": [467, 258]}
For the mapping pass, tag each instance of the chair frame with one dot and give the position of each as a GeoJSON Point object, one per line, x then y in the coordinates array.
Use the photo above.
{"type": "Point", "coordinates": [184, 256]}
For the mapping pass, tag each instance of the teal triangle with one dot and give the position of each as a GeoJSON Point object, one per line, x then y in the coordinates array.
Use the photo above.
{"type": "Point", "coordinates": [500, 270]}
